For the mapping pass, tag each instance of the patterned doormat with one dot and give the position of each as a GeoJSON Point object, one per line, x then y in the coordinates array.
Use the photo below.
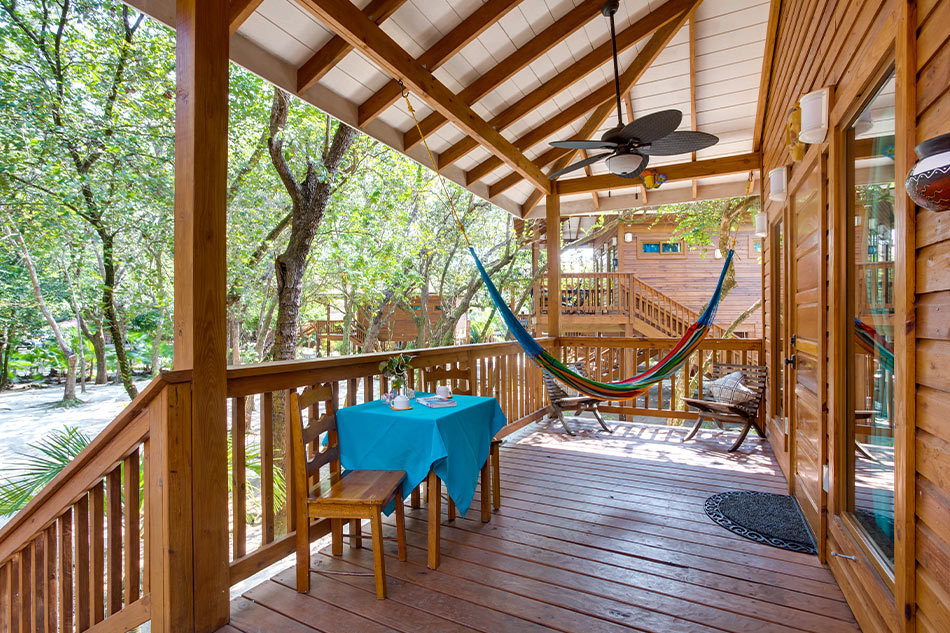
{"type": "Point", "coordinates": [762, 517]}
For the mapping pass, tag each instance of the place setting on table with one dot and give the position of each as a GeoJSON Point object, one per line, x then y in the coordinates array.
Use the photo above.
{"type": "Point", "coordinates": [441, 437]}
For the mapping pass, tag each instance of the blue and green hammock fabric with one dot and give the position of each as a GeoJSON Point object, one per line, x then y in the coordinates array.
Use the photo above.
{"type": "Point", "coordinates": [622, 390]}
{"type": "Point", "coordinates": [874, 343]}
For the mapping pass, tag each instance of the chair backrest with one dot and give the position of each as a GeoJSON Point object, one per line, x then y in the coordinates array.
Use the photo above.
{"type": "Point", "coordinates": [753, 376]}
{"type": "Point", "coordinates": [554, 388]}
{"type": "Point", "coordinates": [433, 376]}
{"type": "Point", "coordinates": [308, 455]}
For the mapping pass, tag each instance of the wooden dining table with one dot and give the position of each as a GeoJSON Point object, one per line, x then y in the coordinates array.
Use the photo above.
{"type": "Point", "coordinates": [447, 445]}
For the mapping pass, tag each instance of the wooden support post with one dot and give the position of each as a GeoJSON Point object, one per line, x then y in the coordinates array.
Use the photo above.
{"type": "Point", "coordinates": [199, 439]}
{"type": "Point", "coordinates": [553, 228]}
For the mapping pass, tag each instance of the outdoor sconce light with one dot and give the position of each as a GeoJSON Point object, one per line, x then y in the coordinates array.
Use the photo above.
{"type": "Point", "coordinates": [814, 116]}
{"type": "Point", "coordinates": [718, 254]}
{"type": "Point", "coordinates": [778, 183]}
{"type": "Point", "coordinates": [928, 183]}
{"type": "Point", "coordinates": [761, 224]}
{"type": "Point", "coordinates": [628, 237]}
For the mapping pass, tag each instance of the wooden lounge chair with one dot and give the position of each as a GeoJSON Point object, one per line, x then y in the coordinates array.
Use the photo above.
{"type": "Point", "coordinates": [561, 402]}
{"type": "Point", "coordinates": [353, 496]}
{"type": "Point", "coordinates": [746, 413]}
{"type": "Point", "coordinates": [455, 377]}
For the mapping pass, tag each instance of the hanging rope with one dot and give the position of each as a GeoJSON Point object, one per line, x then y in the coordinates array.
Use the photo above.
{"type": "Point", "coordinates": [435, 166]}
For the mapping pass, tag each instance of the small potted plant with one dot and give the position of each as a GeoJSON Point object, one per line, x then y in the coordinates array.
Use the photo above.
{"type": "Point", "coordinates": [397, 370]}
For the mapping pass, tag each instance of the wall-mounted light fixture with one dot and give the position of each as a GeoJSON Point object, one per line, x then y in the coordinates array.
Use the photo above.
{"type": "Point", "coordinates": [613, 241]}
{"type": "Point", "coordinates": [628, 237]}
{"type": "Point", "coordinates": [718, 254]}
{"type": "Point", "coordinates": [778, 184]}
{"type": "Point", "coordinates": [761, 224]}
{"type": "Point", "coordinates": [814, 116]}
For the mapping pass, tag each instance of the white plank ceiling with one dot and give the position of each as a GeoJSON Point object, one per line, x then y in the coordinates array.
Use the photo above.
{"type": "Point", "coordinates": [729, 44]}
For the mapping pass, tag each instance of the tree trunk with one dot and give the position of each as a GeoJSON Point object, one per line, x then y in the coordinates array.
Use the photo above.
{"type": "Point", "coordinates": [124, 369]}
{"type": "Point", "coordinates": [69, 395]}
{"type": "Point", "coordinates": [5, 359]}
{"type": "Point", "coordinates": [310, 198]}
{"type": "Point", "coordinates": [99, 347]}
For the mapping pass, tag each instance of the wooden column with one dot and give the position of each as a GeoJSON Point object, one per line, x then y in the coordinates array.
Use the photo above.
{"type": "Point", "coordinates": [905, 331]}
{"type": "Point", "coordinates": [200, 437]}
{"type": "Point", "coordinates": [536, 285]}
{"type": "Point", "coordinates": [552, 205]}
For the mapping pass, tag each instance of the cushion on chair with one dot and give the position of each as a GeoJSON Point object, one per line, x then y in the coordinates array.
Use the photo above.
{"type": "Point", "coordinates": [730, 389]}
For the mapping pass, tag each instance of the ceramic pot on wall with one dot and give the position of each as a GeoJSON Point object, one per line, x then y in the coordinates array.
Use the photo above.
{"type": "Point", "coordinates": [928, 183]}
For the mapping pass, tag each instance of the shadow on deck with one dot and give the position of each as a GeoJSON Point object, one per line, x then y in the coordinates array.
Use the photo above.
{"type": "Point", "coordinates": [597, 533]}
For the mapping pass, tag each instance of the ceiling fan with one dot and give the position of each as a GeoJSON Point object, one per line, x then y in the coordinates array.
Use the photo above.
{"type": "Point", "coordinates": [632, 144]}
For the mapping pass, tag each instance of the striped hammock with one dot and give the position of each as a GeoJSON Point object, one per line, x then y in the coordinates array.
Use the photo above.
{"type": "Point", "coordinates": [873, 342]}
{"type": "Point", "coordinates": [622, 390]}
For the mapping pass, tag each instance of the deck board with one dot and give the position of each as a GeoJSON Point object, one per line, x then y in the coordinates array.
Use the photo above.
{"type": "Point", "coordinates": [597, 533]}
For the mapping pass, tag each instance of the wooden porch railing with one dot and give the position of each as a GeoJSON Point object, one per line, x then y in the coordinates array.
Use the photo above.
{"type": "Point", "coordinates": [613, 359]}
{"type": "Point", "coordinates": [92, 552]}
{"type": "Point", "coordinates": [263, 536]}
{"type": "Point", "coordinates": [622, 294]}
{"type": "Point", "coordinates": [878, 280]}
{"type": "Point", "coordinates": [83, 554]}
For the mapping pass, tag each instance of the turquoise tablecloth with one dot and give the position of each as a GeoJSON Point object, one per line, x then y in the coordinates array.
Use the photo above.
{"type": "Point", "coordinates": [453, 442]}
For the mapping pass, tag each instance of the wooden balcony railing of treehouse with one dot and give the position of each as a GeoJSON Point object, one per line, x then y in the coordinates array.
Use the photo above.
{"type": "Point", "coordinates": [625, 295]}
{"type": "Point", "coordinates": [100, 547]}
{"type": "Point", "coordinates": [332, 330]}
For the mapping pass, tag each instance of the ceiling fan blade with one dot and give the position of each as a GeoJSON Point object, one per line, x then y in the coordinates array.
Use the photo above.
{"type": "Point", "coordinates": [583, 144]}
{"type": "Point", "coordinates": [651, 127]}
{"type": "Point", "coordinates": [679, 143]}
{"type": "Point", "coordinates": [590, 160]}
{"type": "Point", "coordinates": [639, 170]}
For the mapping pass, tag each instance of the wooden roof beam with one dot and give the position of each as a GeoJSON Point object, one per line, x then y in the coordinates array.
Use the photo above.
{"type": "Point", "coordinates": [507, 68]}
{"type": "Point", "coordinates": [628, 78]}
{"type": "Point", "coordinates": [239, 12]}
{"type": "Point", "coordinates": [443, 50]}
{"type": "Point", "coordinates": [333, 52]}
{"type": "Point", "coordinates": [571, 75]}
{"type": "Point", "coordinates": [765, 80]}
{"type": "Point", "coordinates": [678, 171]}
{"type": "Point", "coordinates": [359, 31]}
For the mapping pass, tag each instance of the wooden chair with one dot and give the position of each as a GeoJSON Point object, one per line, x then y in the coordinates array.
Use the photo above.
{"type": "Point", "coordinates": [353, 496]}
{"type": "Point", "coordinates": [561, 402]}
{"type": "Point", "coordinates": [454, 377]}
{"type": "Point", "coordinates": [746, 414]}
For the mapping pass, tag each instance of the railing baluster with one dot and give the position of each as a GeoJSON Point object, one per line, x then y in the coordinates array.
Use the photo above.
{"type": "Point", "coordinates": [82, 563]}
{"type": "Point", "coordinates": [267, 466]}
{"type": "Point", "coordinates": [114, 540]}
{"type": "Point", "coordinates": [238, 477]}
{"type": "Point", "coordinates": [38, 584]}
{"type": "Point", "coordinates": [26, 593]}
{"type": "Point", "coordinates": [97, 527]}
{"type": "Point", "coordinates": [133, 547]}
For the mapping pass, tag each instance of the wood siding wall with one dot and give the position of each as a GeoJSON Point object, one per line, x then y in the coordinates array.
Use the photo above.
{"type": "Point", "coordinates": [847, 45]}
{"type": "Point", "coordinates": [690, 278]}
{"type": "Point", "coordinates": [933, 336]}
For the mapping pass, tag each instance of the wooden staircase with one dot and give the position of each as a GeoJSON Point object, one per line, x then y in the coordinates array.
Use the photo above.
{"type": "Point", "coordinates": [613, 303]}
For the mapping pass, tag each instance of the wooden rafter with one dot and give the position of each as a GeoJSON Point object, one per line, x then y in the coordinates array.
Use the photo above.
{"type": "Point", "coordinates": [239, 12]}
{"type": "Point", "coordinates": [443, 50]}
{"type": "Point", "coordinates": [507, 68]}
{"type": "Point", "coordinates": [333, 52]}
{"type": "Point", "coordinates": [679, 171]}
{"type": "Point", "coordinates": [692, 83]}
{"type": "Point", "coordinates": [352, 25]}
{"type": "Point", "coordinates": [562, 157]}
{"type": "Point", "coordinates": [570, 75]}
{"type": "Point", "coordinates": [765, 79]}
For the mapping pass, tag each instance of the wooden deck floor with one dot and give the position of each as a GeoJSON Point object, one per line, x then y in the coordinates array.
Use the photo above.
{"type": "Point", "coordinates": [597, 533]}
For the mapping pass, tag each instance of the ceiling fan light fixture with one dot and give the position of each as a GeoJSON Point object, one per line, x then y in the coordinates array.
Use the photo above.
{"type": "Point", "coordinates": [621, 164]}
